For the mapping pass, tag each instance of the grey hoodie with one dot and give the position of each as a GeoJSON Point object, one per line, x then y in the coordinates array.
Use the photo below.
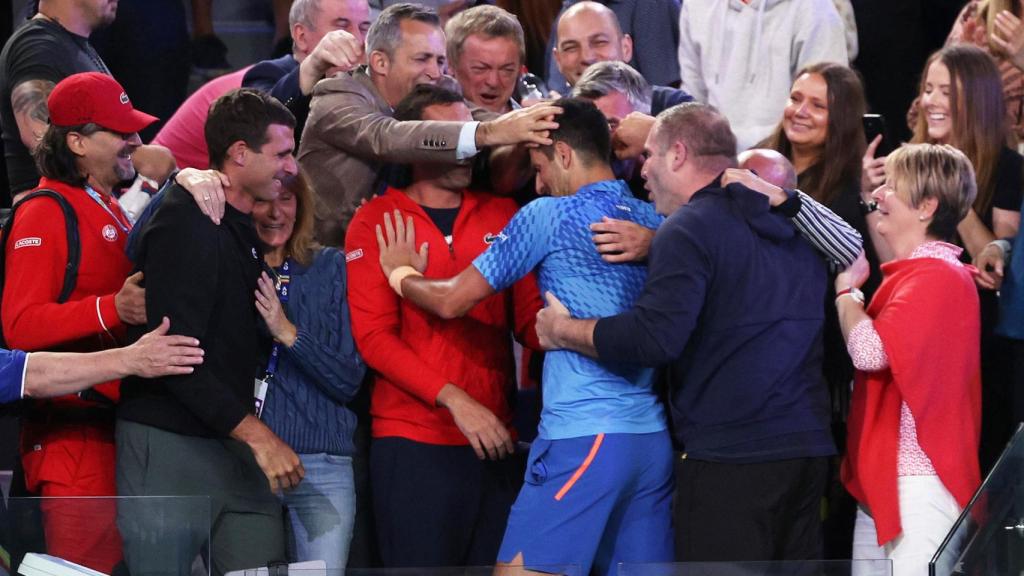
{"type": "Point", "coordinates": [743, 58]}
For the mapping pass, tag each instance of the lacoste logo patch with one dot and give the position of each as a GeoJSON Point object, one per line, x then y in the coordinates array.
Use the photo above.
{"type": "Point", "coordinates": [492, 238]}
{"type": "Point", "coordinates": [25, 242]}
{"type": "Point", "coordinates": [354, 255]}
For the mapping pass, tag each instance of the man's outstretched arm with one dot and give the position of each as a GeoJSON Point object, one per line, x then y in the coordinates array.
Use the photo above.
{"type": "Point", "coordinates": [403, 265]}
{"type": "Point", "coordinates": [155, 354]}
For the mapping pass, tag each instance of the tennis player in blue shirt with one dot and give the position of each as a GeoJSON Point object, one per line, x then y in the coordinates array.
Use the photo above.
{"type": "Point", "coordinates": [599, 477]}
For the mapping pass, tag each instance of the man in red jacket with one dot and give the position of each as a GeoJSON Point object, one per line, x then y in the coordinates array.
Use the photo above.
{"type": "Point", "coordinates": [68, 443]}
{"type": "Point", "coordinates": [440, 405]}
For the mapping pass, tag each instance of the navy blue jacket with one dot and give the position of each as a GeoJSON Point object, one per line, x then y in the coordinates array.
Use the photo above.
{"type": "Point", "coordinates": [321, 372]}
{"type": "Point", "coordinates": [663, 97]}
{"type": "Point", "coordinates": [280, 78]}
{"type": "Point", "coordinates": [734, 305]}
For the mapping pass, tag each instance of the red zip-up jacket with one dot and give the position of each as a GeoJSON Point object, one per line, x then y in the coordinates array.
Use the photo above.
{"type": "Point", "coordinates": [415, 353]}
{"type": "Point", "coordinates": [37, 253]}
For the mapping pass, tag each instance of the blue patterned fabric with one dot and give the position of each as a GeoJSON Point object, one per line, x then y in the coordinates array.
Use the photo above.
{"type": "Point", "coordinates": [582, 397]}
{"type": "Point", "coordinates": [12, 369]}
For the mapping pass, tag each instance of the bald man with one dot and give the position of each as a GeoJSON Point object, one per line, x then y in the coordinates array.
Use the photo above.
{"type": "Point", "coordinates": [589, 32]}
{"type": "Point", "coordinates": [770, 165]}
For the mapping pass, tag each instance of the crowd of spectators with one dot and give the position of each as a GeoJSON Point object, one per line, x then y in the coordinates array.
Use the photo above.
{"type": "Point", "coordinates": [319, 294]}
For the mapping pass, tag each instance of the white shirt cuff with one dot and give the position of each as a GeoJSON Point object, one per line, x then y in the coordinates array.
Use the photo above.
{"type": "Point", "coordinates": [24, 372]}
{"type": "Point", "coordinates": [467, 141]}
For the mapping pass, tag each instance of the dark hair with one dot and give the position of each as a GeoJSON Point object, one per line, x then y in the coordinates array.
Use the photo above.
{"type": "Point", "coordinates": [422, 96]}
{"type": "Point", "coordinates": [976, 103]}
{"type": "Point", "coordinates": [385, 33]}
{"type": "Point", "coordinates": [242, 114]}
{"type": "Point", "coordinates": [840, 158]}
{"type": "Point", "coordinates": [584, 128]}
{"type": "Point", "coordinates": [55, 160]}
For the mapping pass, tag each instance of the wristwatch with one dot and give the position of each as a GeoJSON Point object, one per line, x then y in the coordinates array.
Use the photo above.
{"type": "Point", "coordinates": [852, 292]}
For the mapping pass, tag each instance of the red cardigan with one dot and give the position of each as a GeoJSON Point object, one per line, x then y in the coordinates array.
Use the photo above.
{"type": "Point", "coordinates": [926, 313]}
{"type": "Point", "coordinates": [414, 353]}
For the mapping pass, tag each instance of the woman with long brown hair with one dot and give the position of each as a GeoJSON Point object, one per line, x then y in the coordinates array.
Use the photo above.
{"type": "Point", "coordinates": [961, 104]}
{"type": "Point", "coordinates": [822, 135]}
{"type": "Point", "coordinates": [989, 25]}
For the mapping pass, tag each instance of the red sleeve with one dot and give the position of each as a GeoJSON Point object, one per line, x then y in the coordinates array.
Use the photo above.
{"type": "Point", "coordinates": [526, 302]}
{"type": "Point", "coordinates": [376, 315]}
{"type": "Point", "coordinates": [36, 255]}
{"type": "Point", "coordinates": [929, 328]}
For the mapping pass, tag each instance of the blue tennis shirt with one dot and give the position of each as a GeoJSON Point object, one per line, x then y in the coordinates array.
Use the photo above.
{"type": "Point", "coordinates": [582, 396]}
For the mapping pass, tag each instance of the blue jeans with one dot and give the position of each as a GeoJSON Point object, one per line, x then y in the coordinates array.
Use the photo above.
{"type": "Point", "coordinates": [322, 510]}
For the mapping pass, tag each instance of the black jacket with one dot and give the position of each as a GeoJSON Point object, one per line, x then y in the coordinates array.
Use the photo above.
{"type": "Point", "coordinates": [203, 277]}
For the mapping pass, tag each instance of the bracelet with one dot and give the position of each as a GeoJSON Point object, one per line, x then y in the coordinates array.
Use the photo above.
{"type": "Point", "coordinates": [399, 274]}
{"type": "Point", "coordinates": [852, 292]}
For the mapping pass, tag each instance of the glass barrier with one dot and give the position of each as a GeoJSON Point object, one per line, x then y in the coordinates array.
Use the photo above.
{"type": "Point", "coordinates": [141, 536]}
{"type": "Point", "coordinates": [988, 538]}
{"type": "Point", "coordinates": [316, 568]}
{"type": "Point", "coordinates": [780, 568]}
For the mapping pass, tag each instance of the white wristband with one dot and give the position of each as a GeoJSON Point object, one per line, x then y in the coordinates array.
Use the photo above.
{"type": "Point", "coordinates": [399, 274]}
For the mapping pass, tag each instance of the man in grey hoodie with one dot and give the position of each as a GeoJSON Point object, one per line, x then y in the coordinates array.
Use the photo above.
{"type": "Point", "coordinates": [742, 56]}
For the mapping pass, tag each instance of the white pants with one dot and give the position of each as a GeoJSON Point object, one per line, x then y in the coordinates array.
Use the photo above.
{"type": "Point", "coordinates": [927, 513]}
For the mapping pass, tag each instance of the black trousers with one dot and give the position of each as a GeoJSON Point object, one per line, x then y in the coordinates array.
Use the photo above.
{"type": "Point", "coordinates": [440, 505]}
{"type": "Point", "coordinates": [749, 512]}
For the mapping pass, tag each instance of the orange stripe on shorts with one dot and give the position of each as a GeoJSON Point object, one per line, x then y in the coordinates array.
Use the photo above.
{"type": "Point", "coordinates": [583, 467]}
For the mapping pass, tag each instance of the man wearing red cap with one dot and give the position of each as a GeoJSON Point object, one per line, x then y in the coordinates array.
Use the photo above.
{"type": "Point", "coordinates": [67, 442]}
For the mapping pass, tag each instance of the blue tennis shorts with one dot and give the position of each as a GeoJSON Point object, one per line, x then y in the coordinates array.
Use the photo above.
{"type": "Point", "coordinates": [593, 502]}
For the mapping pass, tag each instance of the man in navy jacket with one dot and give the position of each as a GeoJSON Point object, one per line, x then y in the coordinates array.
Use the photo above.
{"type": "Point", "coordinates": [733, 305]}
{"type": "Point", "coordinates": [327, 37]}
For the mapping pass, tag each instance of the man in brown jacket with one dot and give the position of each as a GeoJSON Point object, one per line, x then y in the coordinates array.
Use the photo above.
{"type": "Point", "coordinates": [350, 135]}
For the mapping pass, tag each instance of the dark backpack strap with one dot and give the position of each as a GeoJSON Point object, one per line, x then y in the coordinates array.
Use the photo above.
{"type": "Point", "coordinates": [71, 231]}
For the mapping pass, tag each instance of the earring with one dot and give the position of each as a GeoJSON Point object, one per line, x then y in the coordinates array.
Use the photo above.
{"type": "Point", "coordinates": [921, 218]}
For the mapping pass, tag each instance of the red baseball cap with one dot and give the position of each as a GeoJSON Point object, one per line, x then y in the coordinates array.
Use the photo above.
{"type": "Point", "coordinates": [92, 97]}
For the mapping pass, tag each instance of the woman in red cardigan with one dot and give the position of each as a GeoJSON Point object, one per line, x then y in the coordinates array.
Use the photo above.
{"type": "Point", "coordinates": [911, 457]}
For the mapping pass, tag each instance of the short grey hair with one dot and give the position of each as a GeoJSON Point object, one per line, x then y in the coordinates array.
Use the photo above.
{"type": "Point", "coordinates": [489, 21]}
{"type": "Point", "coordinates": [303, 12]}
{"type": "Point", "coordinates": [604, 78]}
{"type": "Point", "coordinates": [386, 33]}
{"type": "Point", "coordinates": [704, 130]}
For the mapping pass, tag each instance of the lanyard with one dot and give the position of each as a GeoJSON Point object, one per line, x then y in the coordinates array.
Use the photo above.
{"type": "Point", "coordinates": [284, 278]}
{"type": "Point", "coordinates": [106, 208]}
